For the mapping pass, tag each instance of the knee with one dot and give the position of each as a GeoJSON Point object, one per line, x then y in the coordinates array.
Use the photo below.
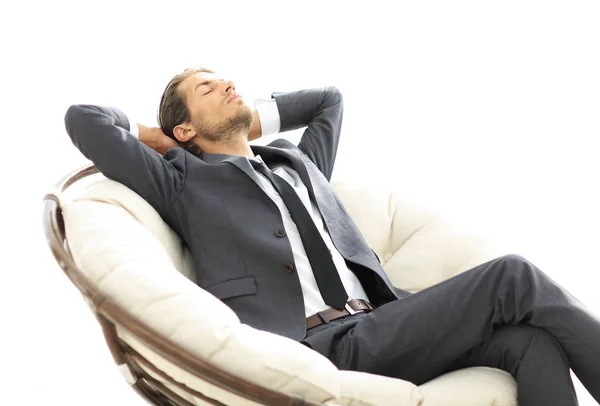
{"type": "Point", "coordinates": [513, 259]}
{"type": "Point", "coordinates": [514, 264]}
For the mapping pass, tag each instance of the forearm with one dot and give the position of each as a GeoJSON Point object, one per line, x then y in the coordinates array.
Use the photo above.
{"type": "Point", "coordinates": [321, 111]}
{"type": "Point", "coordinates": [300, 108]}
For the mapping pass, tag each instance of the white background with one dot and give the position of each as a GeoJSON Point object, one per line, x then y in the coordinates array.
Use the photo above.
{"type": "Point", "coordinates": [488, 110]}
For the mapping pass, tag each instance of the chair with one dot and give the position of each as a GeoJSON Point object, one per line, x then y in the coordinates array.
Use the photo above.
{"type": "Point", "coordinates": [137, 277]}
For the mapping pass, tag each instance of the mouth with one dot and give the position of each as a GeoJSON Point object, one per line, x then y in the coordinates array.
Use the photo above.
{"type": "Point", "coordinates": [233, 97]}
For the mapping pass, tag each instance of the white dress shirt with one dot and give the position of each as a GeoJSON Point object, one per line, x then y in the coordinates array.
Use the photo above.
{"type": "Point", "coordinates": [313, 300]}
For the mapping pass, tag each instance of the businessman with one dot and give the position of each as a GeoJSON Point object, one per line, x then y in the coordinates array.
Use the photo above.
{"type": "Point", "coordinates": [271, 240]}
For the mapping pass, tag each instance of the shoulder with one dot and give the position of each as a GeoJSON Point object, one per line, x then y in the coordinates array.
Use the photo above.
{"type": "Point", "coordinates": [283, 143]}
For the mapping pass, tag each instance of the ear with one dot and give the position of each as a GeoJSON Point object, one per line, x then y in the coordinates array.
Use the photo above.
{"type": "Point", "coordinates": [184, 132]}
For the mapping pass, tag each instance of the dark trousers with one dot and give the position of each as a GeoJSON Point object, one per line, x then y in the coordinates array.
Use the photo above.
{"type": "Point", "coordinates": [505, 314]}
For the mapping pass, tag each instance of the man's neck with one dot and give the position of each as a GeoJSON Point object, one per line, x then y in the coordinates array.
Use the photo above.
{"type": "Point", "coordinates": [236, 146]}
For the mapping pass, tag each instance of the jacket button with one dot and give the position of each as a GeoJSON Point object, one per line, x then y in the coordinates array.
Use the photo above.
{"type": "Point", "coordinates": [289, 267]}
{"type": "Point", "coordinates": [280, 232]}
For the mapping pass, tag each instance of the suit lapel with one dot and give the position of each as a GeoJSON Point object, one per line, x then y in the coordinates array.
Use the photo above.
{"type": "Point", "coordinates": [240, 161]}
{"type": "Point", "coordinates": [274, 155]}
{"type": "Point", "coordinates": [270, 155]}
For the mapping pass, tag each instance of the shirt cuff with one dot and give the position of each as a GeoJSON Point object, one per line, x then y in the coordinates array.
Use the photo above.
{"type": "Point", "coordinates": [270, 122]}
{"type": "Point", "coordinates": [133, 128]}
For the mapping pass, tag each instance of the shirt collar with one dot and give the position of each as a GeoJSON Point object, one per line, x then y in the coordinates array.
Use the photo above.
{"type": "Point", "coordinates": [258, 158]}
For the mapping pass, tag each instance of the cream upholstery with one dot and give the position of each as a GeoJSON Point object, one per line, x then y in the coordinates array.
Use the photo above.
{"type": "Point", "coordinates": [133, 257]}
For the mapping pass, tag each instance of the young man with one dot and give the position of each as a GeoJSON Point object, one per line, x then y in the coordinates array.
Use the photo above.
{"type": "Point", "coordinates": [271, 240]}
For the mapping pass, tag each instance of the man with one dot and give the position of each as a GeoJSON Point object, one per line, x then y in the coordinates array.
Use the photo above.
{"type": "Point", "coordinates": [272, 241]}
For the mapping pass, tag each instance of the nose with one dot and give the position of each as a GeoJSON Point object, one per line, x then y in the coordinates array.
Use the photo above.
{"type": "Point", "coordinates": [229, 86]}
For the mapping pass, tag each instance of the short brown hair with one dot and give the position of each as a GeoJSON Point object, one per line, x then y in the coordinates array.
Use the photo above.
{"type": "Point", "coordinates": [173, 109]}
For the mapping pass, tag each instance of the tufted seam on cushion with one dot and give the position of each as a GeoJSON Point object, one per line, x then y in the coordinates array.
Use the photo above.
{"type": "Point", "coordinates": [361, 388]}
{"type": "Point", "coordinates": [159, 301]}
{"type": "Point", "coordinates": [393, 202]}
{"type": "Point", "coordinates": [111, 201]}
{"type": "Point", "coordinates": [495, 402]}
{"type": "Point", "coordinates": [176, 330]}
{"type": "Point", "coordinates": [391, 213]}
{"type": "Point", "coordinates": [350, 401]}
{"type": "Point", "coordinates": [116, 267]}
{"type": "Point", "coordinates": [391, 205]}
{"type": "Point", "coordinates": [224, 343]}
{"type": "Point", "coordinates": [346, 401]}
{"type": "Point", "coordinates": [111, 270]}
{"type": "Point", "coordinates": [409, 238]}
{"type": "Point", "coordinates": [121, 267]}
{"type": "Point", "coordinates": [293, 377]}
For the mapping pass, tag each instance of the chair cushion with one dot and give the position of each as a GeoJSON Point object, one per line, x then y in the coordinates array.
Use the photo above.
{"type": "Point", "coordinates": [362, 389]}
{"type": "Point", "coordinates": [134, 258]}
{"type": "Point", "coordinates": [113, 247]}
{"type": "Point", "coordinates": [471, 386]}
{"type": "Point", "coordinates": [419, 245]}
{"type": "Point", "coordinates": [114, 193]}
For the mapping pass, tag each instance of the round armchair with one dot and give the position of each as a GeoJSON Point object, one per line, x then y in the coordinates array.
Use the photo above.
{"type": "Point", "coordinates": [176, 344]}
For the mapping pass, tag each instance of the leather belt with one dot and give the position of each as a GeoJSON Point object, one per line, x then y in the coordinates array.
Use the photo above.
{"type": "Point", "coordinates": [352, 307]}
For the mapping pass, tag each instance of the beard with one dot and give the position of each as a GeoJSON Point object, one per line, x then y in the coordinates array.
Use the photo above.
{"type": "Point", "coordinates": [227, 130]}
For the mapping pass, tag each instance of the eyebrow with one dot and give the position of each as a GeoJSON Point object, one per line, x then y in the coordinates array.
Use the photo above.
{"type": "Point", "coordinates": [206, 82]}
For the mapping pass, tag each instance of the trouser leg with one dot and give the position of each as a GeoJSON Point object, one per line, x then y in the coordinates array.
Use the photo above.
{"type": "Point", "coordinates": [533, 357]}
{"type": "Point", "coordinates": [419, 337]}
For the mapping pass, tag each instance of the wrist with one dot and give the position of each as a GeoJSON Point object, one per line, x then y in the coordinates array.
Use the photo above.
{"type": "Point", "coordinates": [142, 132]}
{"type": "Point", "coordinates": [148, 135]}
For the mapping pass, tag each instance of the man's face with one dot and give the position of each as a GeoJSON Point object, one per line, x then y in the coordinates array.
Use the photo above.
{"type": "Point", "coordinates": [217, 112]}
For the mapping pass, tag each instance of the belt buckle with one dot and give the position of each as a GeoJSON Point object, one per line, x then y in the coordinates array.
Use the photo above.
{"type": "Point", "coordinates": [370, 307]}
{"type": "Point", "coordinates": [351, 310]}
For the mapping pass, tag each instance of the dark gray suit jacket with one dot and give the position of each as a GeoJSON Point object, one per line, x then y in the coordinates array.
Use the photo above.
{"type": "Point", "coordinates": [214, 202]}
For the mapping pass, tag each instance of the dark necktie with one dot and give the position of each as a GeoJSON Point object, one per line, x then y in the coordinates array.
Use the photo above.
{"type": "Point", "coordinates": [319, 256]}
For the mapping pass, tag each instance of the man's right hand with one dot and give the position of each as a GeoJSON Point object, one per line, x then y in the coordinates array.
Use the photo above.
{"type": "Point", "coordinates": [156, 139]}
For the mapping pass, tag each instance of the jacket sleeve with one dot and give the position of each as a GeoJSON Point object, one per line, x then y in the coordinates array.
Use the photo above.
{"type": "Point", "coordinates": [102, 135]}
{"type": "Point", "coordinates": [321, 111]}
